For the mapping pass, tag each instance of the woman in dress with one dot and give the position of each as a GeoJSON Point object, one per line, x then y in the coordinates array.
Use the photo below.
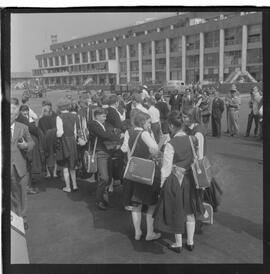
{"type": "Point", "coordinates": [67, 131]}
{"type": "Point", "coordinates": [178, 204]}
{"type": "Point", "coordinates": [139, 195]}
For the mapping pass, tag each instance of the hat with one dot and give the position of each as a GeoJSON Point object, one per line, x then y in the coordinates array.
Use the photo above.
{"type": "Point", "coordinates": [63, 102]}
{"type": "Point", "coordinates": [144, 86]}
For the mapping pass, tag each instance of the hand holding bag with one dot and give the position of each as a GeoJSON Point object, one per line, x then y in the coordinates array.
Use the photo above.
{"type": "Point", "coordinates": [90, 159]}
{"type": "Point", "coordinates": [201, 169]}
{"type": "Point", "coordinates": [138, 169]}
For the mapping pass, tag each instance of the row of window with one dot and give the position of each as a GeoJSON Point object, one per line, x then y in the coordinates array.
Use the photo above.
{"type": "Point", "coordinates": [232, 36]}
{"type": "Point", "coordinates": [231, 58]}
{"type": "Point", "coordinates": [182, 22]}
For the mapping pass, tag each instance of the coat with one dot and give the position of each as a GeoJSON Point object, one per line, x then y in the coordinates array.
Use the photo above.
{"type": "Point", "coordinates": [18, 157]}
{"type": "Point", "coordinates": [217, 108]}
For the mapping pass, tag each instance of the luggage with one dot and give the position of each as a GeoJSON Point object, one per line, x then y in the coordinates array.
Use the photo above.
{"type": "Point", "coordinates": [201, 170]}
{"type": "Point", "coordinates": [138, 169]}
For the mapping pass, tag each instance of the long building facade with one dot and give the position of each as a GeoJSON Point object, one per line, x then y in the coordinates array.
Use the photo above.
{"type": "Point", "coordinates": [192, 46]}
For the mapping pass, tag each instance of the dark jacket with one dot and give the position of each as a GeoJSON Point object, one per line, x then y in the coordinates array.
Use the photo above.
{"type": "Point", "coordinates": [96, 130]}
{"type": "Point", "coordinates": [217, 108]}
{"type": "Point", "coordinates": [113, 118]}
{"type": "Point", "coordinates": [163, 109]}
{"type": "Point", "coordinates": [175, 102]}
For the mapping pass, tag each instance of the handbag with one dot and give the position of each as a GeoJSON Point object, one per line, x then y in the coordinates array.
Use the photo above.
{"type": "Point", "coordinates": [90, 159]}
{"type": "Point", "coordinates": [138, 169]}
{"type": "Point", "coordinates": [201, 169]}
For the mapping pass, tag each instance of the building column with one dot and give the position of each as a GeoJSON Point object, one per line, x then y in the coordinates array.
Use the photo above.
{"type": "Point", "coordinates": [184, 58]}
{"type": "Point", "coordinates": [128, 64]}
{"type": "Point", "coordinates": [89, 56]}
{"type": "Point", "coordinates": [80, 56]}
{"type": "Point", "coordinates": [97, 55]}
{"type": "Point", "coordinates": [73, 58]}
{"type": "Point", "coordinates": [201, 56]}
{"type": "Point", "coordinates": [140, 61]}
{"type": "Point", "coordinates": [221, 55]}
{"type": "Point", "coordinates": [244, 49]}
{"type": "Point", "coordinates": [118, 65]}
{"type": "Point", "coordinates": [153, 61]}
{"type": "Point", "coordinates": [167, 59]}
{"type": "Point", "coordinates": [106, 53]}
{"type": "Point", "coordinates": [66, 59]}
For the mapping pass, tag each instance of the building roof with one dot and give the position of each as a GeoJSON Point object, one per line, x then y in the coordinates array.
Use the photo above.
{"type": "Point", "coordinates": [23, 74]}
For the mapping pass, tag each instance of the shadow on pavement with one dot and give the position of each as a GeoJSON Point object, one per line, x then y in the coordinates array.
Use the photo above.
{"type": "Point", "coordinates": [116, 219]}
{"type": "Point", "coordinates": [239, 224]}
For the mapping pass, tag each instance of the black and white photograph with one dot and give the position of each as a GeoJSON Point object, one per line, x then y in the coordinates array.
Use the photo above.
{"type": "Point", "coordinates": [136, 136]}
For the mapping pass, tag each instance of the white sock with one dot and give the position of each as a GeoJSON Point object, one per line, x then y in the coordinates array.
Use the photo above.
{"type": "Point", "coordinates": [190, 232]}
{"type": "Point", "coordinates": [136, 219]}
{"type": "Point", "coordinates": [178, 240]}
{"type": "Point", "coordinates": [66, 177]}
{"type": "Point", "coordinates": [73, 178]}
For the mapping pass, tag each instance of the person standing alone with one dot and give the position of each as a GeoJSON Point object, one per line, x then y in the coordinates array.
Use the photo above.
{"type": "Point", "coordinates": [217, 111]}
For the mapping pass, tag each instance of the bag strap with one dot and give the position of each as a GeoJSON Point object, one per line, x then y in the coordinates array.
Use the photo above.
{"type": "Point", "coordinates": [194, 155]}
{"type": "Point", "coordinates": [135, 143]}
{"type": "Point", "coordinates": [95, 145]}
{"type": "Point", "coordinates": [192, 147]}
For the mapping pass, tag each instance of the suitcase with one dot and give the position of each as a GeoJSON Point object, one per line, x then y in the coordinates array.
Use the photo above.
{"type": "Point", "coordinates": [207, 218]}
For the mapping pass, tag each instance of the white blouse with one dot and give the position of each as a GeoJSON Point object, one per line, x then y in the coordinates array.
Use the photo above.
{"type": "Point", "coordinates": [59, 126]}
{"type": "Point", "coordinates": [147, 138]}
{"type": "Point", "coordinates": [167, 161]}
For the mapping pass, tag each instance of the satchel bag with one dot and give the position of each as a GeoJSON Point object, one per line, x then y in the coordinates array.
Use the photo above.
{"type": "Point", "coordinates": [90, 159]}
{"type": "Point", "coordinates": [138, 169]}
{"type": "Point", "coordinates": [201, 170]}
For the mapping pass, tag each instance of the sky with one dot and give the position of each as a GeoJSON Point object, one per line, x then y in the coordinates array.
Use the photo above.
{"type": "Point", "coordinates": [30, 33]}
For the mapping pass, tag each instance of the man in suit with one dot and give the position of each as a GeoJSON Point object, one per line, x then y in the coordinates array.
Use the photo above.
{"type": "Point", "coordinates": [21, 143]}
{"type": "Point", "coordinates": [217, 110]}
{"type": "Point", "coordinates": [188, 101]}
{"type": "Point", "coordinates": [175, 101]}
{"type": "Point", "coordinates": [98, 131]}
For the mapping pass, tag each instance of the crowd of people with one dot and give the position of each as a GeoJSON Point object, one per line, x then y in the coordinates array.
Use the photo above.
{"type": "Point", "coordinates": [55, 143]}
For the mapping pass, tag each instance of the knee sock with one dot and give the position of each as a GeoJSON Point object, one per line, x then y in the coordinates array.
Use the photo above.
{"type": "Point", "coordinates": [178, 240]}
{"type": "Point", "coordinates": [136, 219]}
{"type": "Point", "coordinates": [73, 178]}
{"type": "Point", "coordinates": [190, 232]}
{"type": "Point", "coordinates": [150, 221]}
{"type": "Point", "coordinates": [55, 170]}
{"type": "Point", "coordinates": [66, 177]}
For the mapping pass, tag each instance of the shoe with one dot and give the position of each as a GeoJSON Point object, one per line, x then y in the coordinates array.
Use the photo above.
{"type": "Point", "coordinates": [101, 206]}
{"type": "Point", "coordinates": [76, 189]}
{"type": "Point", "coordinates": [47, 176]}
{"type": "Point", "coordinates": [32, 191]}
{"type": "Point", "coordinates": [189, 247]}
{"type": "Point", "coordinates": [177, 249]}
{"type": "Point", "coordinates": [153, 237]}
{"type": "Point", "coordinates": [66, 189]}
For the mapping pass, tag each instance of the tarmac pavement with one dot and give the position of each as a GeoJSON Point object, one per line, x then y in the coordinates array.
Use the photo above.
{"type": "Point", "coordinates": [68, 228]}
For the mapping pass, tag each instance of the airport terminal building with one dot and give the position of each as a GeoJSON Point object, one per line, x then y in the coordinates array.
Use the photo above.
{"type": "Point", "coordinates": [191, 46]}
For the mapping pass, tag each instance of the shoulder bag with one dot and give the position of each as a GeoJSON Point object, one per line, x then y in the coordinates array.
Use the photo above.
{"type": "Point", "coordinates": [90, 159]}
{"type": "Point", "coordinates": [201, 169]}
{"type": "Point", "coordinates": [138, 169]}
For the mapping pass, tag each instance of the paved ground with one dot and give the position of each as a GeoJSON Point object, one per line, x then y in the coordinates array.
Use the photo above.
{"type": "Point", "coordinates": [67, 228]}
